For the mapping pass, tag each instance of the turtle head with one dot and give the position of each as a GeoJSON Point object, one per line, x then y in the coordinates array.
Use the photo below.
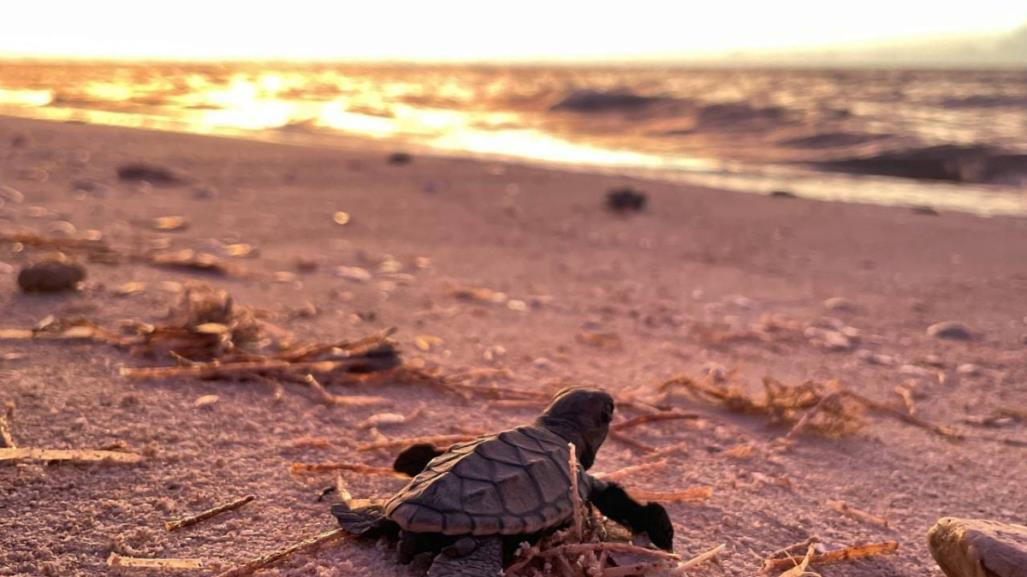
{"type": "Point", "coordinates": [581, 416]}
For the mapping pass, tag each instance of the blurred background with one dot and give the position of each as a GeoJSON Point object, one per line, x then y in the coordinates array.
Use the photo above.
{"type": "Point", "coordinates": [884, 103]}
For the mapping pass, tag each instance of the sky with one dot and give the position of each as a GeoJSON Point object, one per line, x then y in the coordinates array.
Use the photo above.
{"type": "Point", "coordinates": [479, 30]}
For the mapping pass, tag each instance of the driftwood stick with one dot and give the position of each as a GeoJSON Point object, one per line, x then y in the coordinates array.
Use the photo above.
{"type": "Point", "coordinates": [836, 556]}
{"type": "Point", "coordinates": [259, 563]}
{"type": "Point", "coordinates": [790, 550]}
{"type": "Point", "coordinates": [690, 495]}
{"type": "Point", "coordinates": [699, 559]}
{"type": "Point", "coordinates": [850, 511]}
{"type": "Point", "coordinates": [194, 519]}
{"type": "Point", "coordinates": [81, 455]}
{"type": "Point", "coordinates": [579, 548]}
{"type": "Point", "coordinates": [116, 560]}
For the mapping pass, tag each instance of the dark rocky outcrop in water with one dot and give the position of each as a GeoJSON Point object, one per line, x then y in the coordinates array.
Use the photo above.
{"type": "Point", "coordinates": [952, 163]}
{"type": "Point", "coordinates": [731, 114]}
{"type": "Point", "coordinates": [584, 101]}
{"type": "Point", "coordinates": [832, 139]}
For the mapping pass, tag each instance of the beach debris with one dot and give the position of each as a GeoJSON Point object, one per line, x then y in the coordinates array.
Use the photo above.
{"type": "Point", "coordinates": [95, 249]}
{"type": "Point", "coordinates": [608, 341]}
{"type": "Point", "coordinates": [129, 288]}
{"type": "Point", "coordinates": [924, 209]}
{"type": "Point", "coordinates": [345, 400]}
{"type": "Point", "coordinates": [689, 495]}
{"type": "Point", "coordinates": [353, 273]}
{"type": "Point", "coordinates": [269, 559]}
{"type": "Point", "coordinates": [653, 417]}
{"type": "Point", "coordinates": [399, 158]}
{"type": "Point", "coordinates": [11, 194]}
{"type": "Point", "coordinates": [952, 330]}
{"type": "Point", "coordinates": [840, 304]}
{"type": "Point", "coordinates": [782, 194]}
{"type": "Point", "coordinates": [385, 419]}
{"type": "Point", "coordinates": [51, 276]}
{"type": "Point", "coordinates": [626, 199]}
{"type": "Point", "coordinates": [169, 223]}
{"type": "Point", "coordinates": [203, 516]}
{"type": "Point", "coordinates": [151, 173]}
{"type": "Point", "coordinates": [479, 294]}
{"type": "Point", "coordinates": [979, 548]}
{"type": "Point", "coordinates": [828, 408]}
{"type": "Point", "coordinates": [74, 455]}
{"type": "Point", "coordinates": [850, 511]}
{"type": "Point", "coordinates": [115, 560]}
{"type": "Point", "coordinates": [188, 259]}
{"type": "Point", "coordinates": [6, 436]}
{"type": "Point", "coordinates": [341, 218]}
{"type": "Point", "coordinates": [783, 560]}
{"type": "Point", "coordinates": [205, 401]}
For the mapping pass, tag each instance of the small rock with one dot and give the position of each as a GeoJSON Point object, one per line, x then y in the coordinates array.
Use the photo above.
{"type": "Point", "coordinates": [206, 401]}
{"type": "Point", "coordinates": [835, 341]}
{"type": "Point", "coordinates": [915, 371]}
{"type": "Point", "coordinates": [354, 273]}
{"type": "Point", "coordinates": [11, 194]}
{"type": "Point", "coordinates": [839, 304]}
{"type": "Point", "coordinates": [968, 369]}
{"type": "Point", "coordinates": [873, 358]}
{"type": "Point", "coordinates": [626, 200]}
{"type": "Point", "coordinates": [934, 361]}
{"type": "Point", "coordinates": [979, 548]}
{"type": "Point", "coordinates": [949, 330]}
{"type": "Point", "coordinates": [150, 173]}
{"type": "Point", "coordinates": [924, 209]}
{"type": "Point", "coordinates": [51, 276]}
{"type": "Point", "coordinates": [782, 194]}
{"type": "Point", "coordinates": [400, 158]}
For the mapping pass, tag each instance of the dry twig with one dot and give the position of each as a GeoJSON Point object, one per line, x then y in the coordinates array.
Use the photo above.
{"type": "Point", "coordinates": [259, 563]}
{"type": "Point", "coordinates": [116, 560]}
{"type": "Point", "coordinates": [194, 519]}
{"type": "Point", "coordinates": [850, 511]}
{"type": "Point", "coordinates": [78, 455]}
{"type": "Point", "coordinates": [836, 556]}
{"type": "Point", "coordinates": [690, 495]}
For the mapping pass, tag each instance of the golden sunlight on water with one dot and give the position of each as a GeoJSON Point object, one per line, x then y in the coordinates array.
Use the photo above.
{"type": "Point", "coordinates": [889, 137]}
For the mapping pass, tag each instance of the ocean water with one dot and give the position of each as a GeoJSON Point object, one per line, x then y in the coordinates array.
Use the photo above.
{"type": "Point", "coordinates": [954, 140]}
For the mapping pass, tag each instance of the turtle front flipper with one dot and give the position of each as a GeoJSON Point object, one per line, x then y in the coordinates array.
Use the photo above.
{"type": "Point", "coordinates": [652, 519]}
{"type": "Point", "coordinates": [369, 521]}
{"type": "Point", "coordinates": [415, 458]}
{"type": "Point", "coordinates": [469, 557]}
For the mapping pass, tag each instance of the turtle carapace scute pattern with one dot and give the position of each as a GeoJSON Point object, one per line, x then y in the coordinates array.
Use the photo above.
{"type": "Point", "coordinates": [515, 482]}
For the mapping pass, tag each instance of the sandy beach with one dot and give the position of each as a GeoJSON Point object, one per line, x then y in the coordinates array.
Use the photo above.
{"type": "Point", "coordinates": [703, 283]}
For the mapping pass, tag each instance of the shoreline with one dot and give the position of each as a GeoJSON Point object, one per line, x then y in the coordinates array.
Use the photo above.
{"type": "Point", "coordinates": [704, 281]}
{"type": "Point", "coordinates": [982, 200]}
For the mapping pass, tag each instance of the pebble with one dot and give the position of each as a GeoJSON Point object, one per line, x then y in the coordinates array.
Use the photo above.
{"type": "Point", "coordinates": [915, 371]}
{"type": "Point", "coordinates": [51, 276]}
{"type": "Point", "coordinates": [949, 330]}
{"type": "Point", "coordinates": [969, 370]}
{"type": "Point", "coordinates": [873, 358]}
{"type": "Point", "coordinates": [839, 304]}
{"type": "Point", "coordinates": [354, 273]}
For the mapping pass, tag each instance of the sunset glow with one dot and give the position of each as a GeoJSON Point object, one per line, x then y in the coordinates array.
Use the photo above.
{"type": "Point", "coordinates": [472, 30]}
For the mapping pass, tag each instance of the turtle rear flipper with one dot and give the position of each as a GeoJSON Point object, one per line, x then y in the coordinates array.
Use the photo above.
{"type": "Point", "coordinates": [469, 557]}
{"type": "Point", "coordinates": [369, 521]}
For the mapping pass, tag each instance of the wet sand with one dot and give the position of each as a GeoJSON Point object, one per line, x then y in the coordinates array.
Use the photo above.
{"type": "Point", "coordinates": [696, 260]}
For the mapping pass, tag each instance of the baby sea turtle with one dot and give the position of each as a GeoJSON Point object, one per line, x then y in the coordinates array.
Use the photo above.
{"type": "Point", "coordinates": [480, 498]}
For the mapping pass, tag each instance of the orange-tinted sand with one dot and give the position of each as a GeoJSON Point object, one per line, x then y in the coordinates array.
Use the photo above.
{"type": "Point", "coordinates": [696, 258]}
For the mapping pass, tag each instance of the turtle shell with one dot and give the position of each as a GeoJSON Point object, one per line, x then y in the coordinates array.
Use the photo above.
{"type": "Point", "coordinates": [515, 482]}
